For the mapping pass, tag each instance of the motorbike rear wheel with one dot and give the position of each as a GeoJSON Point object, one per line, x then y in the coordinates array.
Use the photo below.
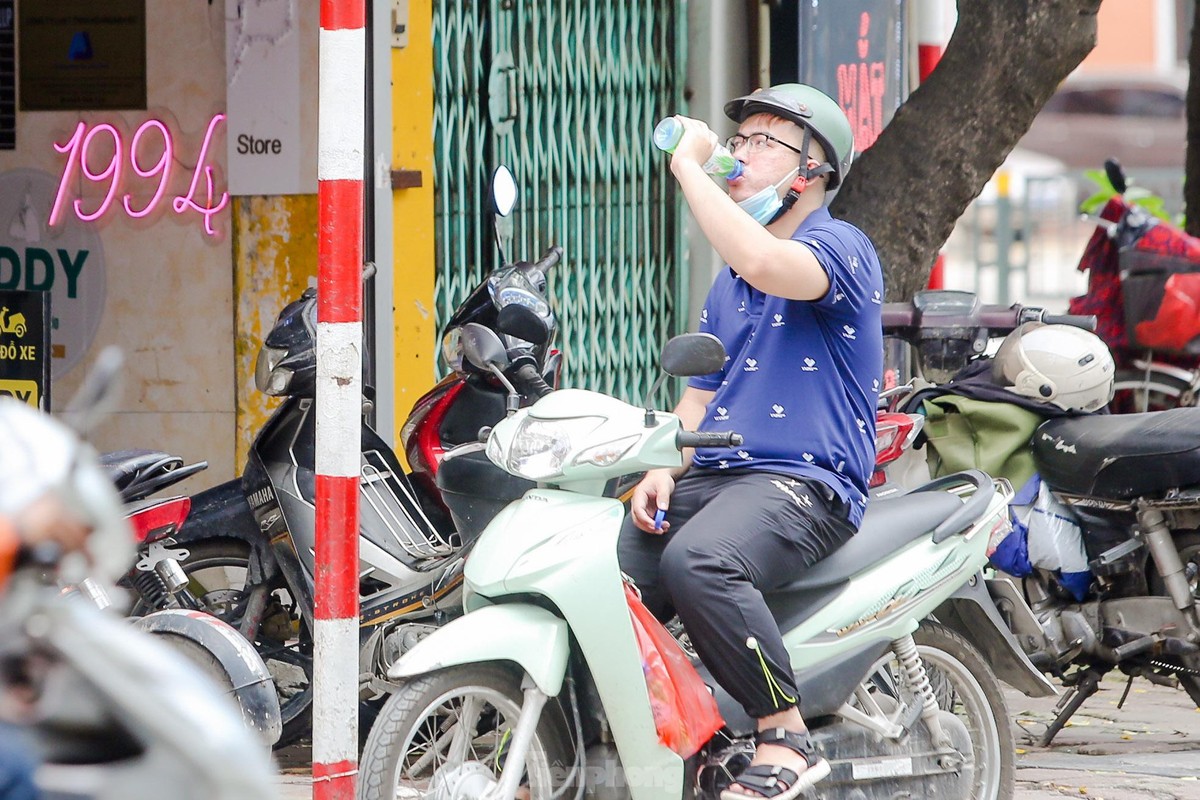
{"type": "Point", "coordinates": [218, 570]}
{"type": "Point", "coordinates": [966, 686]}
{"type": "Point", "coordinates": [417, 745]}
{"type": "Point", "coordinates": [1136, 391]}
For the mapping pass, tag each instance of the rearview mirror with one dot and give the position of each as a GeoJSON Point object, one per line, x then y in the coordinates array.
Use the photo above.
{"type": "Point", "coordinates": [504, 191]}
{"type": "Point", "coordinates": [482, 347]}
{"type": "Point", "coordinates": [692, 354]}
{"type": "Point", "coordinates": [504, 200]}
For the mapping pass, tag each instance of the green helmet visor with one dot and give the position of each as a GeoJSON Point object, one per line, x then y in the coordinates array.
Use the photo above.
{"type": "Point", "coordinates": [769, 101]}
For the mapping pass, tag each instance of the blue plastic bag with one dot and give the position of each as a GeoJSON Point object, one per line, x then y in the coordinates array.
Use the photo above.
{"type": "Point", "coordinates": [1045, 536]}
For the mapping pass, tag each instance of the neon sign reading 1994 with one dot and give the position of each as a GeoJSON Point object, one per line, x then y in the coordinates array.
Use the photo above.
{"type": "Point", "coordinates": [77, 147]}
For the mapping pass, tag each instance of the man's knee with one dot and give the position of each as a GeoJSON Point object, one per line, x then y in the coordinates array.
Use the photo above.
{"type": "Point", "coordinates": [688, 567]}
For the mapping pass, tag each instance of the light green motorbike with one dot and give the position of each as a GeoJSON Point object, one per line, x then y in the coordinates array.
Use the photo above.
{"type": "Point", "coordinates": [538, 692]}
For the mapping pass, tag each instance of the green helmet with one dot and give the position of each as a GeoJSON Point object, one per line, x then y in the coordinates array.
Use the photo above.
{"type": "Point", "coordinates": [809, 108]}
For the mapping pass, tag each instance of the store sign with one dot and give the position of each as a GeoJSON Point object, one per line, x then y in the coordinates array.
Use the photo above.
{"type": "Point", "coordinates": [269, 150]}
{"type": "Point", "coordinates": [66, 260]}
{"type": "Point", "coordinates": [99, 154]}
{"type": "Point", "coordinates": [25, 347]}
{"type": "Point", "coordinates": [853, 50]}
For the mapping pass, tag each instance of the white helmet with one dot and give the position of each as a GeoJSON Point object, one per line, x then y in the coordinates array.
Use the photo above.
{"type": "Point", "coordinates": [1058, 364]}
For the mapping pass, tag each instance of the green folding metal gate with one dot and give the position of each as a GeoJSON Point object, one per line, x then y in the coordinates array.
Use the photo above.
{"type": "Point", "coordinates": [566, 93]}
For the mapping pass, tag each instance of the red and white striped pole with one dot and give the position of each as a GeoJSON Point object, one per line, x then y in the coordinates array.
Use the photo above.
{"type": "Point", "coordinates": [932, 16]}
{"type": "Point", "coordinates": [340, 143]}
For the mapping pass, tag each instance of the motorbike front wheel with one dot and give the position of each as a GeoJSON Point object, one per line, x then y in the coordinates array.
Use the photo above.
{"type": "Point", "coordinates": [217, 573]}
{"type": "Point", "coordinates": [966, 686]}
{"type": "Point", "coordinates": [441, 734]}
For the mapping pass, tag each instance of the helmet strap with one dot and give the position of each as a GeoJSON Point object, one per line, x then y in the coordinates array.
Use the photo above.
{"type": "Point", "coordinates": [803, 176]}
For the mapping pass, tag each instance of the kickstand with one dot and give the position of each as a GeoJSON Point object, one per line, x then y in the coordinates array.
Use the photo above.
{"type": "Point", "coordinates": [1075, 697]}
{"type": "Point", "coordinates": [1125, 694]}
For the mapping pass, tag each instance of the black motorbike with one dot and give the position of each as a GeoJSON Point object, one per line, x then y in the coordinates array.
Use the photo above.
{"type": "Point", "coordinates": [251, 541]}
{"type": "Point", "coordinates": [1130, 482]}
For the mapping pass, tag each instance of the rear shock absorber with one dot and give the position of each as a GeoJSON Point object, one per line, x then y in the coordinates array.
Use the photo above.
{"type": "Point", "coordinates": [918, 680]}
{"type": "Point", "coordinates": [151, 589]}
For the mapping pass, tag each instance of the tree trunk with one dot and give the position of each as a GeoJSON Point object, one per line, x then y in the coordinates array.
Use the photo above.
{"type": "Point", "coordinates": [1002, 63]}
{"type": "Point", "coordinates": [1191, 166]}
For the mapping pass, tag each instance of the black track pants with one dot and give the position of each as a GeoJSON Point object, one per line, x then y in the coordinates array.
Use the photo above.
{"type": "Point", "coordinates": [735, 535]}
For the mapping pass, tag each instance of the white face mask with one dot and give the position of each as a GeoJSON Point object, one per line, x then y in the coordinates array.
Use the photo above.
{"type": "Point", "coordinates": [764, 204]}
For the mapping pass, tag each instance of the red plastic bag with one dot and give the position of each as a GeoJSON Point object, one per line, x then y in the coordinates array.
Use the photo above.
{"type": "Point", "coordinates": [1177, 322]}
{"type": "Point", "coordinates": [685, 712]}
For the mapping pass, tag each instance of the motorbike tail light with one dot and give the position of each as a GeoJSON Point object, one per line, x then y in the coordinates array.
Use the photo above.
{"type": "Point", "coordinates": [894, 433]}
{"type": "Point", "coordinates": [421, 436]}
{"type": "Point", "coordinates": [160, 519]}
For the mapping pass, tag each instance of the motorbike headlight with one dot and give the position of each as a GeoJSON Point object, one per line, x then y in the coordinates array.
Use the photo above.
{"type": "Point", "coordinates": [540, 446]}
{"type": "Point", "coordinates": [602, 455]}
{"type": "Point", "coordinates": [516, 295]}
{"type": "Point", "coordinates": [267, 377]}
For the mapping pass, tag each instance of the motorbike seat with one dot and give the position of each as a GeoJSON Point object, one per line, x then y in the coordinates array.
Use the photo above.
{"type": "Point", "coordinates": [886, 526]}
{"type": "Point", "coordinates": [1121, 456]}
{"type": "Point", "coordinates": [139, 473]}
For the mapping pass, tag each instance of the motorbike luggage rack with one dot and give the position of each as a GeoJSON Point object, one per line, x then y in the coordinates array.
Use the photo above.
{"type": "Point", "coordinates": [398, 509]}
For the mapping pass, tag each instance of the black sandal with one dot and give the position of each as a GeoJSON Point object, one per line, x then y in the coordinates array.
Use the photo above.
{"type": "Point", "coordinates": [775, 782]}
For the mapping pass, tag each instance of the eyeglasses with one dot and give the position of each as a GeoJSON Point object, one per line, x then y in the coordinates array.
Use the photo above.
{"type": "Point", "coordinates": [756, 142]}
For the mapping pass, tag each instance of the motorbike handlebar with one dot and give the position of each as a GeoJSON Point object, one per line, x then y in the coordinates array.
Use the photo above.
{"type": "Point", "coordinates": [530, 381]}
{"type": "Point", "coordinates": [549, 258]}
{"type": "Point", "coordinates": [900, 319]}
{"type": "Point", "coordinates": [1085, 321]}
{"type": "Point", "coordinates": [707, 439]}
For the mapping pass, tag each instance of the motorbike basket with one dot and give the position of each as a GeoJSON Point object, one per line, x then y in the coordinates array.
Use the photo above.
{"type": "Point", "coordinates": [1161, 301]}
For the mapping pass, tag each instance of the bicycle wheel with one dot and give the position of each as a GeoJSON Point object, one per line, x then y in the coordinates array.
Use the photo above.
{"type": "Point", "coordinates": [1136, 391]}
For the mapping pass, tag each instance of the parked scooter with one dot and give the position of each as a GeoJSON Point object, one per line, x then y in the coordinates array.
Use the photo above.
{"type": "Point", "coordinates": [111, 711]}
{"type": "Point", "coordinates": [250, 541]}
{"type": "Point", "coordinates": [1131, 485]}
{"type": "Point", "coordinates": [156, 576]}
{"type": "Point", "coordinates": [162, 604]}
{"type": "Point", "coordinates": [540, 685]}
{"type": "Point", "coordinates": [1144, 289]}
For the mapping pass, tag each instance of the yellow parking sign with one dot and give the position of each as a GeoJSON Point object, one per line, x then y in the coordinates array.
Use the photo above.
{"type": "Point", "coordinates": [24, 347]}
{"type": "Point", "coordinates": [25, 391]}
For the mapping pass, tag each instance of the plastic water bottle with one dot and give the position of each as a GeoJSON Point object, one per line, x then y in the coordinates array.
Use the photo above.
{"type": "Point", "coordinates": [721, 163]}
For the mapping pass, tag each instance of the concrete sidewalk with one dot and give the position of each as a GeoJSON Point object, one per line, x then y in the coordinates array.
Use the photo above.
{"type": "Point", "coordinates": [295, 772]}
{"type": "Point", "coordinates": [1148, 750]}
